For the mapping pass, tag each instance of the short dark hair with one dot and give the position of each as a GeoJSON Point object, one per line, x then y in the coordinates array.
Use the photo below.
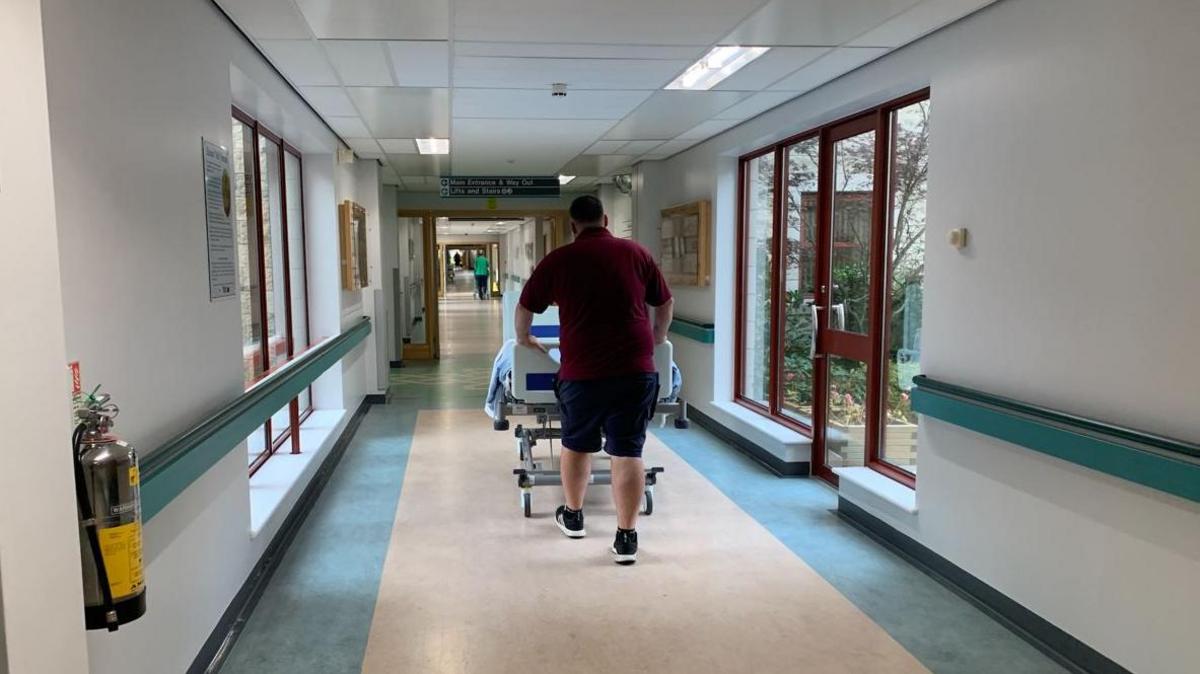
{"type": "Point", "coordinates": [587, 210]}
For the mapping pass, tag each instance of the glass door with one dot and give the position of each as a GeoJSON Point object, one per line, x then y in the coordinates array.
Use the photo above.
{"type": "Point", "coordinates": [846, 298]}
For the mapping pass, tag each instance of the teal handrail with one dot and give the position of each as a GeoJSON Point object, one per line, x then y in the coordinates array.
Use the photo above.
{"type": "Point", "coordinates": [169, 469]}
{"type": "Point", "coordinates": [699, 331]}
{"type": "Point", "coordinates": [1149, 459]}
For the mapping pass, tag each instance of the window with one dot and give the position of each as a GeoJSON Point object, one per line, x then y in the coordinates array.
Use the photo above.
{"type": "Point", "coordinates": [757, 244]}
{"type": "Point", "coordinates": [271, 261]}
{"type": "Point", "coordinates": [830, 282]}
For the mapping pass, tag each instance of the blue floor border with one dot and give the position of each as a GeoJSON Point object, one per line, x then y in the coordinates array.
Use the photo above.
{"type": "Point", "coordinates": [944, 631]}
{"type": "Point", "coordinates": [316, 614]}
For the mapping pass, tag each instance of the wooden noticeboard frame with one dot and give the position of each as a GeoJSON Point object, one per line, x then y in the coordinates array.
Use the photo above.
{"type": "Point", "coordinates": [352, 239]}
{"type": "Point", "coordinates": [685, 243]}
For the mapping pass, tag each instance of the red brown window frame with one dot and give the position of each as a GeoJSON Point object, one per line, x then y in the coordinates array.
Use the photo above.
{"type": "Point", "coordinates": [296, 416]}
{"type": "Point", "coordinates": [881, 291]}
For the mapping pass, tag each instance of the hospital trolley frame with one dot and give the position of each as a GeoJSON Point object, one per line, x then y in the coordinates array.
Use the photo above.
{"type": "Point", "coordinates": [533, 472]}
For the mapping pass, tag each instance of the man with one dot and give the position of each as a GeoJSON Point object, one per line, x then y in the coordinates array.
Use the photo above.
{"type": "Point", "coordinates": [607, 381]}
{"type": "Point", "coordinates": [481, 276]}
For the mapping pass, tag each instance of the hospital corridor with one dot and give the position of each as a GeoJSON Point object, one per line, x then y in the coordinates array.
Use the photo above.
{"type": "Point", "coordinates": [568, 337]}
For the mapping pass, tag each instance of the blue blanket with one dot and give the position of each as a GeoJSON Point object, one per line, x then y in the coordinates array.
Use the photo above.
{"type": "Point", "coordinates": [502, 368]}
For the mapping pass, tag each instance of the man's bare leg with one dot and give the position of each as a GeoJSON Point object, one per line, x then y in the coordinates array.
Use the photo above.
{"type": "Point", "coordinates": [628, 483]}
{"type": "Point", "coordinates": [575, 469]}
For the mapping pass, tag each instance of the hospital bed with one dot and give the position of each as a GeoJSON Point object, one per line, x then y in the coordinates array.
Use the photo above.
{"type": "Point", "coordinates": [529, 392]}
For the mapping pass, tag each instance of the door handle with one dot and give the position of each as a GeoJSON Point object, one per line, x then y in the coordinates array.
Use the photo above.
{"type": "Point", "coordinates": [814, 312]}
{"type": "Point", "coordinates": [839, 313]}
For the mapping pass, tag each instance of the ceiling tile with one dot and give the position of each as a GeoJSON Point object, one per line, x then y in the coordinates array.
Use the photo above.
{"type": "Point", "coordinates": [539, 104]}
{"type": "Point", "coordinates": [378, 19]}
{"type": "Point", "coordinates": [301, 61]}
{"type": "Point", "coordinates": [392, 112]}
{"type": "Point", "coordinates": [485, 146]}
{"type": "Point", "coordinates": [687, 53]}
{"type": "Point", "coordinates": [771, 67]}
{"type": "Point", "coordinates": [926, 17]}
{"type": "Point", "coordinates": [348, 127]}
{"type": "Point", "coordinates": [635, 22]}
{"type": "Point", "coordinates": [667, 114]}
{"type": "Point", "coordinates": [605, 147]}
{"type": "Point", "coordinates": [707, 129]}
{"type": "Point", "coordinates": [267, 19]}
{"type": "Point", "coordinates": [814, 22]}
{"type": "Point", "coordinates": [639, 147]}
{"type": "Point", "coordinates": [500, 72]}
{"type": "Point", "coordinates": [834, 64]}
{"type": "Point", "coordinates": [329, 101]}
{"type": "Point", "coordinates": [670, 148]}
{"type": "Point", "coordinates": [363, 146]}
{"type": "Point", "coordinates": [398, 145]}
{"type": "Point", "coordinates": [420, 64]}
{"type": "Point", "coordinates": [599, 164]}
{"type": "Point", "coordinates": [360, 63]}
{"type": "Point", "coordinates": [419, 164]}
{"type": "Point", "coordinates": [755, 105]}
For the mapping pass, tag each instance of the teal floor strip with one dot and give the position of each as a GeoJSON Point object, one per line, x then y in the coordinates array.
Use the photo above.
{"type": "Point", "coordinates": [944, 631]}
{"type": "Point", "coordinates": [315, 614]}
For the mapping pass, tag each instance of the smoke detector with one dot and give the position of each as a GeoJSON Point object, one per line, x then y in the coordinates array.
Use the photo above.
{"type": "Point", "coordinates": [558, 89]}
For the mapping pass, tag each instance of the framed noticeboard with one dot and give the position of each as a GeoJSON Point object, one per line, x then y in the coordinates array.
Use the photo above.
{"type": "Point", "coordinates": [684, 240]}
{"type": "Point", "coordinates": [352, 239]}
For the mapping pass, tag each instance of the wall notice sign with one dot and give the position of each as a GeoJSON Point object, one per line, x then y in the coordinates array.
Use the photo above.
{"type": "Point", "coordinates": [459, 187]}
{"type": "Point", "coordinates": [218, 205]}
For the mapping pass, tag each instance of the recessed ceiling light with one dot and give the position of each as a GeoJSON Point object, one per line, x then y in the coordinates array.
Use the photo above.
{"type": "Point", "coordinates": [716, 65]}
{"type": "Point", "coordinates": [433, 145]}
{"type": "Point", "coordinates": [563, 180]}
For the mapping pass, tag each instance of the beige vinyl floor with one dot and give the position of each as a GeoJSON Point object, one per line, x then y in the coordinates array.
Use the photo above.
{"type": "Point", "coordinates": [469, 585]}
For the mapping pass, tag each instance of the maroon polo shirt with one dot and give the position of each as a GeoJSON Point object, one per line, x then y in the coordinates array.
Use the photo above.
{"type": "Point", "coordinates": [602, 286]}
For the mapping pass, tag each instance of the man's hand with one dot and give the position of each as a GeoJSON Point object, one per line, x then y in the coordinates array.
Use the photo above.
{"type": "Point", "coordinates": [531, 342]}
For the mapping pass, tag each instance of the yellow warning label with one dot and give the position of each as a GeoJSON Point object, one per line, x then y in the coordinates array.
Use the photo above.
{"type": "Point", "coordinates": [133, 476]}
{"type": "Point", "coordinates": [122, 550]}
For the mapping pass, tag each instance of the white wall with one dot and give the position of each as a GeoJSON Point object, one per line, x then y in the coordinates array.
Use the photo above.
{"type": "Point", "coordinates": [619, 207]}
{"type": "Point", "coordinates": [41, 626]}
{"type": "Point", "coordinates": [1062, 137]}
{"type": "Point", "coordinates": [133, 86]}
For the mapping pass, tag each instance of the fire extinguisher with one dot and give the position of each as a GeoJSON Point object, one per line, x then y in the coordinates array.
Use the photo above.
{"type": "Point", "coordinates": [110, 517]}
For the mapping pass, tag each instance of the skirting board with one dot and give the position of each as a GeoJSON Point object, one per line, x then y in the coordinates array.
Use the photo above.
{"type": "Point", "coordinates": [394, 364]}
{"type": "Point", "coordinates": [760, 454]}
{"type": "Point", "coordinates": [219, 644]}
{"type": "Point", "coordinates": [1065, 649]}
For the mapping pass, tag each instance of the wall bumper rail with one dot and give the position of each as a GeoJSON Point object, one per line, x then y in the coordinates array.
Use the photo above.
{"type": "Point", "coordinates": [695, 330]}
{"type": "Point", "coordinates": [170, 468]}
{"type": "Point", "coordinates": [1155, 461]}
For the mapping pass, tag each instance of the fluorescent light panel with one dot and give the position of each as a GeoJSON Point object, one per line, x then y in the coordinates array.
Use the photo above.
{"type": "Point", "coordinates": [433, 145]}
{"type": "Point", "coordinates": [563, 180]}
{"type": "Point", "coordinates": [718, 64]}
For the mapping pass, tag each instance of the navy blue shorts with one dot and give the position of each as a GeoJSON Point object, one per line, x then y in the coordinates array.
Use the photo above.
{"type": "Point", "coordinates": [621, 407]}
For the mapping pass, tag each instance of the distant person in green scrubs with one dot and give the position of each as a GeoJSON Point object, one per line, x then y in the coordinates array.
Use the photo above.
{"type": "Point", "coordinates": [481, 276]}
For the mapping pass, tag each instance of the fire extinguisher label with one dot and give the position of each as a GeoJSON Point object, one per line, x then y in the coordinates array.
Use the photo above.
{"type": "Point", "coordinates": [122, 550]}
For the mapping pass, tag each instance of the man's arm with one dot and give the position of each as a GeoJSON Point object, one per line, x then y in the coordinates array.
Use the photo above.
{"type": "Point", "coordinates": [662, 319]}
{"type": "Point", "coordinates": [523, 322]}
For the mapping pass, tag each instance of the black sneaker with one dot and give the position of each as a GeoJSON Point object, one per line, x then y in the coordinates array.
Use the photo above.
{"type": "Point", "coordinates": [570, 521]}
{"type": "Point", "coordinates": [624, 547]}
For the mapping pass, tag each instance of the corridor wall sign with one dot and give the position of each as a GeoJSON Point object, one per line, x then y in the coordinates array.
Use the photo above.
{"type": "Point", "coordinates": [473, 187]}
{"type": "Point", "coordinates": [218, 204]}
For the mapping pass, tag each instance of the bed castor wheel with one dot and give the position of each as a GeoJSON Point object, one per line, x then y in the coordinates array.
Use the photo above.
{"type": "Point", "coordinates": [527, 503]}
{"type": "Point", "coordinates": [649, 505]}
{"type": "Point", "coordinates": [500, 424]}
{"type": "Point", "coordinates": [682, 423]}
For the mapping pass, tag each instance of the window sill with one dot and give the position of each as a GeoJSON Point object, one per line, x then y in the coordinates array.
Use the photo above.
{"type": "Point", "coordinates": [868, 487]}
{"type": "Point", "coordinates": [775, 430]}
{"type": "Point", "coordinates": [284, 475]}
